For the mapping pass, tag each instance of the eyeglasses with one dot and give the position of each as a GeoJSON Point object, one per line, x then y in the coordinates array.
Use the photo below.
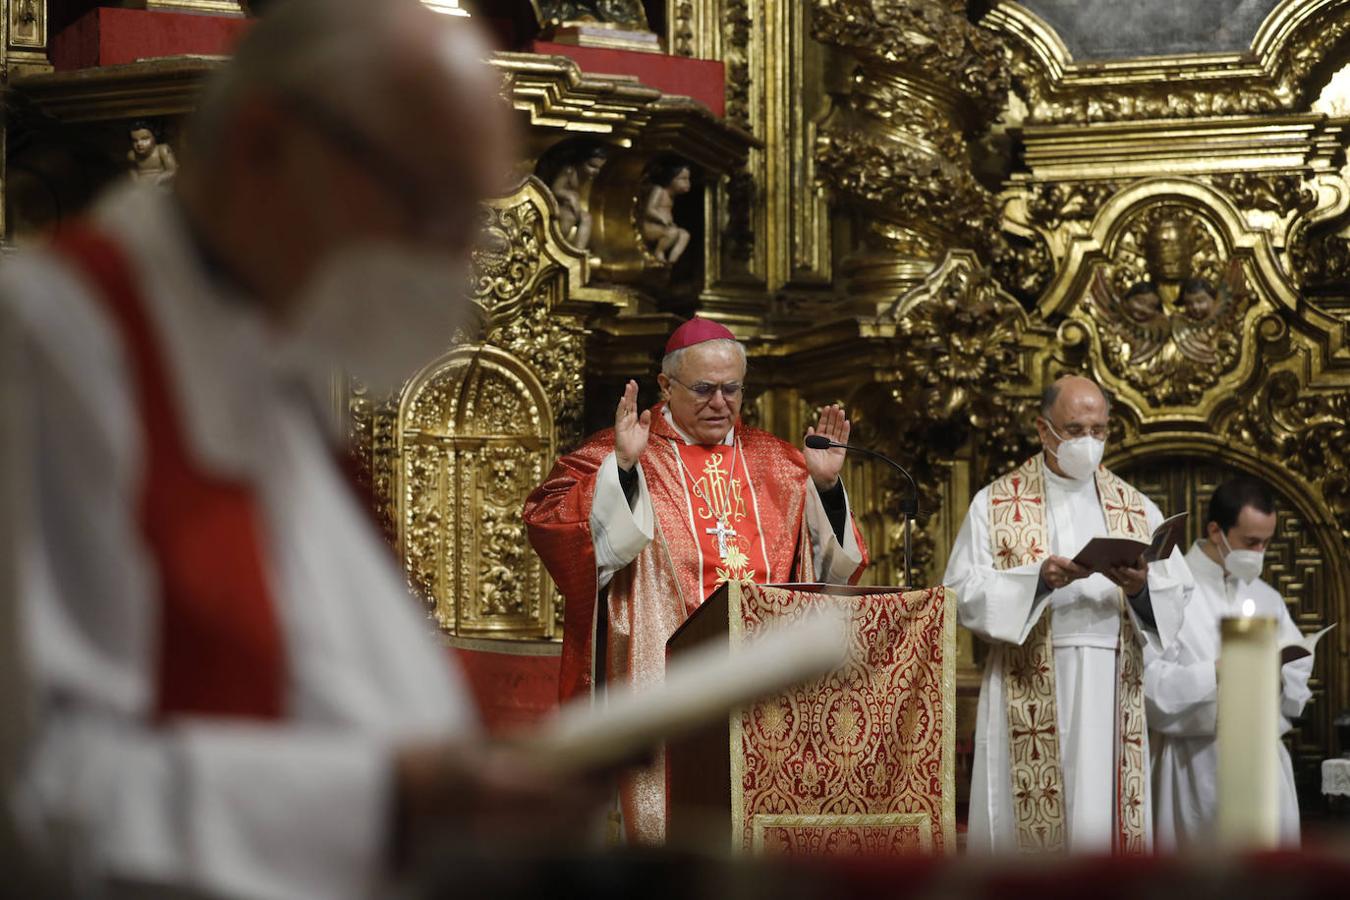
{"type": "Point", "coordinates": [704, 391]}
{"type": "Point", "coordinates": [1075, 430]}
{"type": "Point", "coordinates": [425, 219]}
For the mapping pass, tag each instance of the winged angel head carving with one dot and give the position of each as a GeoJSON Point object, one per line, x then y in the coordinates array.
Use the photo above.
{"type": "Point", "coordinates": [1171, 332]}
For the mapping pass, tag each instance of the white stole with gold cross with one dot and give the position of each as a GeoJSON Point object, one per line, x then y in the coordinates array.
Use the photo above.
{"type": "Point", "coordinates": [1019, 532]}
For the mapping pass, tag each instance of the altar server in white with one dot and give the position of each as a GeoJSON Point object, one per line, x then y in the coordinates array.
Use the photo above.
{"type": "Point", "coordinates": [215, 679]}
{"type": "Point", "coordinates": [1061, 757]}
{"type": "Point", "coordinates": [1181, 683]}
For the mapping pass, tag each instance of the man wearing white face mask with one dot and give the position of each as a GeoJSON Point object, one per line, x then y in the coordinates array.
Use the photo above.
{"type": "Point", "coordinates": [1061, 759]}
{"type": "Point", "coordinates": [1181, 683]}
{"type": "Point", "coordinates": [222, 682]}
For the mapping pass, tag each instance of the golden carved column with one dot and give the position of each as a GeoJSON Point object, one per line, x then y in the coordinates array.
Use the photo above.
{"type": "Point", "coordinates": [767, 226]}
{"type": "Point", "coordinates": [893, 148]}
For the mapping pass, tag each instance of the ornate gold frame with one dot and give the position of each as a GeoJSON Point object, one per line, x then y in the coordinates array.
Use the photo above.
{"type": "Point", "coordinates": [1270, 77]}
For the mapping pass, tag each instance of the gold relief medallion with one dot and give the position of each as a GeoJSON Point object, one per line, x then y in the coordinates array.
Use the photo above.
{"type": "Point", "coordinates": [1169, 306]}
{"type": "Point", "coordinates": [508, 257]}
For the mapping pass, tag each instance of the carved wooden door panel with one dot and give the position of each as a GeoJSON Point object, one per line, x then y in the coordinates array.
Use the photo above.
{"type": "Point", "coordinates": [476, 435]}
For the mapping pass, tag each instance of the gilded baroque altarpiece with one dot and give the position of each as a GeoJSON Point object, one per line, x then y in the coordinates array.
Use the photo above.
{"type": "Point", "coordinates": [924, 209]}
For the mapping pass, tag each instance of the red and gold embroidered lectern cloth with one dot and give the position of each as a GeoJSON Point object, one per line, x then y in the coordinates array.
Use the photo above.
{"type": "Point", "coordinates": [862, 761]}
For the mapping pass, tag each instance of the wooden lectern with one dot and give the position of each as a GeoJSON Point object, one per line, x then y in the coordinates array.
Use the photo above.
{"type": "Point", "coordinates": [860, 762]}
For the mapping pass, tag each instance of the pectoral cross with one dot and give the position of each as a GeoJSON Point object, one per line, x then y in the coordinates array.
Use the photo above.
{"type": "Point", "coordinates": [723, 531]}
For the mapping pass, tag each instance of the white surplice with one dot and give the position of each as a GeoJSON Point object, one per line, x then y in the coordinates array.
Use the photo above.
{"type": "Point", "coordinates": [1181, 691]}
{"type": "Point", "coordinates": [620, 530]}
{"type": "Point", "coordinates": [1002, 606]}
{"type": "Point", "coordinates": [300, 808]}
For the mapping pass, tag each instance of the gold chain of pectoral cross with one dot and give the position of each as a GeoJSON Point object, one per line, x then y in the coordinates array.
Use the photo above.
{"type": "Point", "coordinates": [712, 486]}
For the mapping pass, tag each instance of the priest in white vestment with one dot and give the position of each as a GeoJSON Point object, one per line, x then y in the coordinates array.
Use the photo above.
{"type": "Point", "coordinates": [172, 497]}
{"type": "Point", "coordinates": [1181, 684]}
{"type": "Point", "coordinates": [1060, 747]}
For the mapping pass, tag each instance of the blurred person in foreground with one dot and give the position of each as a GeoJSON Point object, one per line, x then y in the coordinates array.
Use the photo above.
{"type": "Point", "coordinates": [216, 677]}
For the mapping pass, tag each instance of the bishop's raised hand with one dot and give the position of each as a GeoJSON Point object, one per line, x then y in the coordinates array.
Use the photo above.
{"type": "Point", "coordinates": [825, 465]}
{"type": "Point", "coordinates": [631, 430]}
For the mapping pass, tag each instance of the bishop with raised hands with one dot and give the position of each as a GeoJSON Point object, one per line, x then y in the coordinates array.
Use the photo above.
{"type": "Point", "coordinates": [647, 520]}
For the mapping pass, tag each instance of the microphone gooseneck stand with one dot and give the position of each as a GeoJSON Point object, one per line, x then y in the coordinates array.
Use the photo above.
{"type": "Point", "coordinates": [909, 505]}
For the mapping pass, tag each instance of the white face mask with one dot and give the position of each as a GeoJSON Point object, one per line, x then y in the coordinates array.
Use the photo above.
{"type": "Point", "coordinates": [1244, 565]}
{"type": "Point", "coordinates": [380, 311]}
{"type": "Point", "coordinates": [1079, 457]}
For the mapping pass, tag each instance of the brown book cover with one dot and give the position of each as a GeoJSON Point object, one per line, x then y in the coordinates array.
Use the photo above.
{"type": "Point", "coordinates": [1303, 647]}
{"type": "Point", "coordinates": [1100, 554]}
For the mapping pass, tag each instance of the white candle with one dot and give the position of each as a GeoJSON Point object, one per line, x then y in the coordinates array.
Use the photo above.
{"type": "Point", "coordinates": [1248, 732]}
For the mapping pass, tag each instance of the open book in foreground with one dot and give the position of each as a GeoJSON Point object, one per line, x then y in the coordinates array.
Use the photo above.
{"type": "Point", "coordinates": [1100, 554]}
{"type": "Point", "coordinates": [700, 687]}
{"type": "Point", "coordinates": [1303, 647]}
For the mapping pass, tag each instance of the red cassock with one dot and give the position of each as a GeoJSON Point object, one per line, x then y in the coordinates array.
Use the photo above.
{"type": "Point", "coordinates": [760, 486]}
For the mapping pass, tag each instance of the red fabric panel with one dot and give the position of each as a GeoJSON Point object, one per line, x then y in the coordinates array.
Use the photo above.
{"type": "Point", "coordinates": [900, 728]}
{"type": "Point", "coordinates": [220, 648]}
{"type": "Point", "coordinates": [110, 36]}
{"type": "Point", "coordinates": [557, 515]}
{"type": "Point", "coordinates": [702, 79]}
{"type": "Point", "coordinates": [513, 690]}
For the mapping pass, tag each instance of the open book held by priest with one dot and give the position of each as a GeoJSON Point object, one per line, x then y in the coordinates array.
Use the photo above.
{"type": "Point", "coordinates": [1304, 647]}
{"type": "Point", "coordinates": [1103, 553]}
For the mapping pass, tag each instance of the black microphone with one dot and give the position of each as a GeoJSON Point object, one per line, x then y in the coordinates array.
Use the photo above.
{"type": "Point", "coordinates": [908, 506]}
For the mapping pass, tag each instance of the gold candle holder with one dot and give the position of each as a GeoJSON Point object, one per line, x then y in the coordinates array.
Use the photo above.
{"type": "Point", "coordinates": [1248, 733]}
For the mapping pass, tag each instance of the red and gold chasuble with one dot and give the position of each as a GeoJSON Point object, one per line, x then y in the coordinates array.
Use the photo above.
{"type": "Point", "coordinates": [1020, 533]}
{"type": "Point", "coordinates": [764, 502]}
{"type": "Point", "coordinates": [723, 515]}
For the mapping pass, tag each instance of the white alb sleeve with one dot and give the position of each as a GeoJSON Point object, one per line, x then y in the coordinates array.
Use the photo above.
{"type": "Point", "coordinates": [1170, 586]}
{"type": "Point", "coordinates": [997, 604]}
{"type": "Point", "coordinates": [619, 531]}
{"type": "Point", "coordinates": [836, 562]}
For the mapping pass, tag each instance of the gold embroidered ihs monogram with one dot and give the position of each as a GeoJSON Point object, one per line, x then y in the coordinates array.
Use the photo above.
{"type": "Point", "coordinates": [723, 504]}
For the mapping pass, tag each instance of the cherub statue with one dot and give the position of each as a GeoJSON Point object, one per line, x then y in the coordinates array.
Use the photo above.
{"type": "Point", "coordinates": [1137, 318]}
{"type": "Point", "coordinates": [151, 160]}
{"type": "Point", "coordinates": [1142, 302]}
{"type": "Point", "coordinates": [1211, 318]}
{"type": "Point", "coordinates": [666, 240]}
{"type": "Point", "coordinates": [1198, 299]}
{"type": "Point", "coordinates": [580, 168]}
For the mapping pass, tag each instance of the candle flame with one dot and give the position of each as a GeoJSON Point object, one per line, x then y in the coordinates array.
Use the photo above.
{"type": "Point", "coordinates": [1248, 608]}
